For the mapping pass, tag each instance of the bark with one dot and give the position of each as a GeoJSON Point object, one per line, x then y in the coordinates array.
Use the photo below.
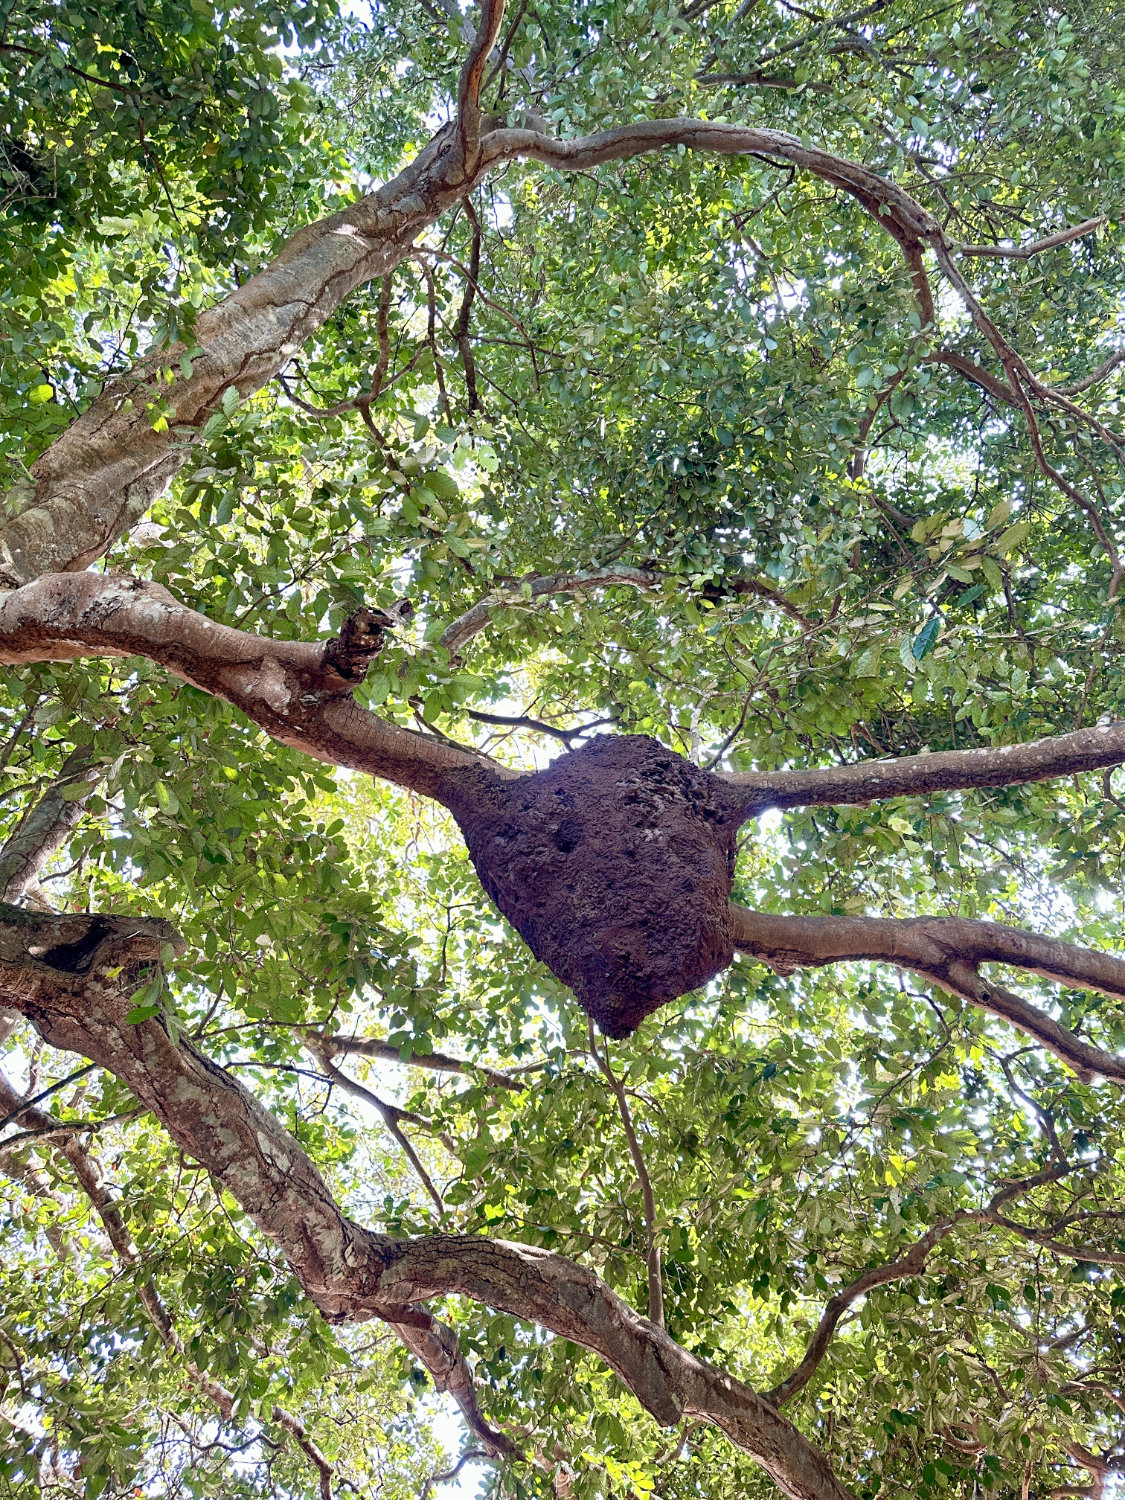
{"type": "Point", "coordinates": [457, 635]}
{"type": "Point", "coordinates": [60, 973]}
{"type": "Point", "coordinates": [948, 950]}
{"type": "Point", "coordinates": [940, 771]}
{"type": "Point", "coordinates": [299, 692]}
{"type": "Point", "coordinates": [912, 1263]}
{"type": "Point", "coordinates": [100, 475]}
{"type": "Point", "coordinates": [437, 1062]}
{"type": "Point", "coordinates": [46, 826]}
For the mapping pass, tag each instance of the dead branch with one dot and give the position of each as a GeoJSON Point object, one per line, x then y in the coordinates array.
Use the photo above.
{"type": "Point", "coordinates": [458, 634]}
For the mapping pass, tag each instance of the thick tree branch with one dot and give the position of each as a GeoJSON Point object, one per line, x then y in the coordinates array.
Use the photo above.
{"type": "Point", "coordinates": [472, 76]}
{"type": "Point", "coordinates": [351, 1273]}
{"type": "Point", "coordinates": [46, 825]}
{"type": "Point", "coordinates": [941, 771]}
{"type": "Point", "coordinates": [298, 692]}
{"type": "Point", "coordinates": [100, 475]}
{"type": "Point", "coordinates": [948, 950]}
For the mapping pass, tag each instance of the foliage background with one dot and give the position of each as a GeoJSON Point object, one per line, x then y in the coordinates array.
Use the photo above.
{"type": "Point", "coordinates": [670, 362]}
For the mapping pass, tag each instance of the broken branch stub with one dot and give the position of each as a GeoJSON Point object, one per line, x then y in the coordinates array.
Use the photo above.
{"type": "Point", "coordinates": [614, 865]}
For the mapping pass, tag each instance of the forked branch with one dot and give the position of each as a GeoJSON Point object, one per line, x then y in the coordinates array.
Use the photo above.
{"type": "Point", "coordinates": [351, 1273]}
{"type": "Point", "coordinates": [299, 693]}
{"type": "Point", "coordinates": [948, 950]}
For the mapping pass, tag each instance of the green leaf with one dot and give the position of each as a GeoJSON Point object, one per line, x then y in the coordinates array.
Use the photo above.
{"type": "Point", "coordinates": [926, 639]}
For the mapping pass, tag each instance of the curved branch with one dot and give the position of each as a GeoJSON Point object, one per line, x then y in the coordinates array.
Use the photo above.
{"type": "Point", "coordinates": [1095, 377]}
{"type": "Point", "coordinates": [351, 1273]}
{"type": "Point", "coordinates": [947, 950]}
{"type": "Point", "coordinates": [458, 634]}
{"type": "Point", "coordinates": [438, 1062]}
{"type": "Point", "coordinates": [472, 75]}
{"type": "Point", "coordinates": [100, 475]}
{"type": "Point", "coordinates": [299, 692]}
{"type": "Point", "coordinates": [940, 771]}
{"type": "Point", "coordinates": [911, 1264]}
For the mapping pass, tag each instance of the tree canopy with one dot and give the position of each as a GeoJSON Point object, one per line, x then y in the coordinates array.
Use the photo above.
{"type": "Point", "coordinates": [506, 509]}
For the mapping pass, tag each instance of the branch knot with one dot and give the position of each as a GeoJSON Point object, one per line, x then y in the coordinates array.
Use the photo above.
{"type": "Point", "coordinates": [361, 639]}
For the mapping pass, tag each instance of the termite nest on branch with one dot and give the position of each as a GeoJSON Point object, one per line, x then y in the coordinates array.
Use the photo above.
{"type": "Point", "coordinates": [614, 865]}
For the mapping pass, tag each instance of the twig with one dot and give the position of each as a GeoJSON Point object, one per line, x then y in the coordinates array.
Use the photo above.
{"type": "Point", "coordinates": [1025, 252]}
{"type": "Point", "coordinates": [652, 1258]}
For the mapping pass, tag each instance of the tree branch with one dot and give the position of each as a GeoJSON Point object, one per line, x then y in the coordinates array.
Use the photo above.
{"type": "Point", "coordinates": [472, 75]}
{"type": "Point", "coordinates": [464, 317]}
{"type": "Point", "coordinates": [46, 825]}
{"type": "Point", "coordinates": [458, 634]}
{"type": "Point", "coordinates": [648, 1198]}
{"type": "Point", "coordinates": [947, 950]}
{"type": "Point", "coordinates": [99, 476]}
{"type": "Point", "coordinates": [299, 692]}
{"type": "Point", "coordinates": [1107, 367]}
{"type": "Point", "coordinates": [911, 1264]}
{"type": "Point", "coordinates": [438, 1062]}
{"type": "Point", "coordinates": [1025, 252]}
{"type": "Point", "coordinates": [389, 1115]}
{"type": "Point", "coordinates": [351, 1273]}
{"type": "Point", "coordinates": [941, 771]}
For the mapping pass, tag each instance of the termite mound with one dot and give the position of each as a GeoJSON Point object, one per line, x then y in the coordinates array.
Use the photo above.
{"type": "Point", "coordinates": [614, 865]}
